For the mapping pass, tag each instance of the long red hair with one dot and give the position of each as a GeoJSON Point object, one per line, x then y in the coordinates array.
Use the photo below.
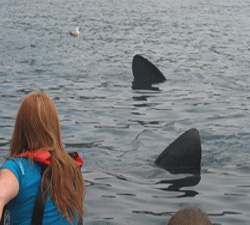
{"type": "Point", "coordinates": [37, 127]}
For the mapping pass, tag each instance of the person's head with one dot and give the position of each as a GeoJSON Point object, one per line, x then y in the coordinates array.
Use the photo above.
{"type": "Point", "coordinates": [37, 125]}
{"type": "Point", "coordinates": [190, 216]}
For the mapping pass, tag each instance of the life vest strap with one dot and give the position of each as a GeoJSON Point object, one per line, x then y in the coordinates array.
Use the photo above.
{"type": "Point", "coordinates": [41, 199]}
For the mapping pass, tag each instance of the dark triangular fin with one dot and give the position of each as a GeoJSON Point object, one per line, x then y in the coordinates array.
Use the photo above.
{"type": "Point", "coordinates": [144, 70]}
{"type": "Point", "coordinates": [183, 155]}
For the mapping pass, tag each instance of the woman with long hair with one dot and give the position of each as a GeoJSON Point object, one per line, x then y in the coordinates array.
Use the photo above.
{"type": "Point", "coordinates": [36, 142]}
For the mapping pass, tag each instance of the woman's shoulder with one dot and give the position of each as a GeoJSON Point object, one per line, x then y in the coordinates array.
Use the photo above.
{"type": "Point", "coordinates": [16, 163]}
{"type": "Point", "coordinates": [21, 167]}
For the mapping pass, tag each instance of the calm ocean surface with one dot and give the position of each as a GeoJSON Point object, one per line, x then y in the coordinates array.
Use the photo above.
{"type": "Point", "coordinates": [202, 48]}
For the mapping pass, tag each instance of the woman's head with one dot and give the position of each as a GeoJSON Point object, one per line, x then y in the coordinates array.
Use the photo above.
{"type": "Point", "coordinates": [189, 215]}
{"type": "Point", "coordinates": [37, 125]}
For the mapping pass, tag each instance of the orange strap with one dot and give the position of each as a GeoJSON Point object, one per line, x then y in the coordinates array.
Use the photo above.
{"type": "Point", "coordinates": [43, 156]}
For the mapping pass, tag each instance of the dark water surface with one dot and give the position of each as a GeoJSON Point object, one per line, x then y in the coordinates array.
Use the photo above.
{"type": "Point", "coordinates": [203, 49]}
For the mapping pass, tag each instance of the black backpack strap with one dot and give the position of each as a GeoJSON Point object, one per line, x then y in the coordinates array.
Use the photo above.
{"type": "Point", "coordinates": [41, 199]}
{"type": "Point", "coordinates": [80, 221]}
{"type": "Point", "coordinates": [2, 220]}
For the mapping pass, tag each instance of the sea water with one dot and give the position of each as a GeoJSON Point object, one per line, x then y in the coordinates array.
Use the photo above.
{"type": "Point", "coordinates": [202, 48]}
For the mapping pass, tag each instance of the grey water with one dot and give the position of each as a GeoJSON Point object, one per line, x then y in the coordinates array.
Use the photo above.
{"type": "Point", "coordinates": [202, 48]}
